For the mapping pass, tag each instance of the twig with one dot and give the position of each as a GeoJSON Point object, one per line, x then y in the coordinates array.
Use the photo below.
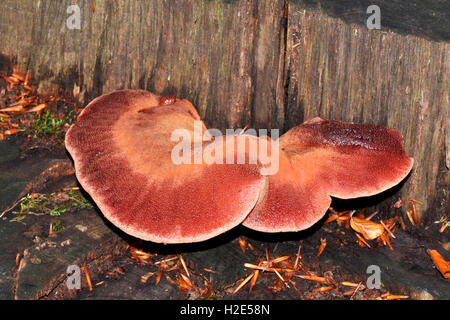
{"type": "Point", "coordinates": [359, 284]}
{"type": "Point", "coordinates": [12, 206]}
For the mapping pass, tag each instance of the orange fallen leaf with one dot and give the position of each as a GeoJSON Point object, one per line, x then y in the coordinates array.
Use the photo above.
{"type": "Point", "coordinates": [251, 247]}
{"type": "Point", "coordinates": [444, 226]}
{"type": "Point", "coordinates": [27, 78]}
{"type": "Point", "coordinates": [165, 260]}
{"type": "Point", "coordinates": [243, 283]}
{"type": "Point", "coordinates": [441, 264]}
{"type": "Point", "coordinates": [409, 214]}
{"type": "Point", "coordinates": [279, 276]}
{"type": "Point", "coordinates": [395, 297]}
{"type": "Point", "coordinates": [254, 278]}
{"type": "Point", "coordinates": [416, 201]}
{"type": "Point", "coordinates": [297, 258]}
{"type": "Point", "coordinates": [12, 80]}
{"type": "Point", "coordinates": [324, 289]}
{"type": "Point", "coordinates": [37, 108]}
{"type": "Point", "coordinates": [279, 259]}
{"type": "Point", "coordinates": [184, 281]}
{"type": "Point", "coordinates": [312, 278]}
{"type": "Point", "coordinates": [361, 239]}
{"type": "Point", "coordinates": [13, 131]}
{"type": "Point", "coordinates": [350, 284]}
{"type": "Point", "coordinates": [18, 108]}
{"type": "Point", "coordinates": [370, 230]}
{"type": "Point", "coordinates": [387, 229]}
{"type": "Point", "coordinates": [170, 280]}
{"type": "Point", "coordinates": [145, 277]}
{"type": "Point", "coordinates": [158, 277]}
{"type": "Point", "coordinates": [88, 278]}
{"type": "Point", "coordinates": [264, 268]}
{"type": "Point", "coordinates": [323, 244]}
{"type": "Point", "coordinates": [119, 270]}
{"type": "Point", "coordinates": [18, 76]}
{"type": "Point", "coordinates": [416, 218]}
{"type": "Point", "coordinates": [402, 223]}
{"type": "Point", "coordinates": [242, 244]}
{"type": "Point", "coordinates": [184, 265]}
{"type": "Point", "coordinates": [331, 218]}
{"type": "Point", "coordinates": [385, 239]}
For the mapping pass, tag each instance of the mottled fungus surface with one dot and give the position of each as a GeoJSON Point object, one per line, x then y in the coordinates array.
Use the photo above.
{"type": "Point", "coordinates": [122, 146]}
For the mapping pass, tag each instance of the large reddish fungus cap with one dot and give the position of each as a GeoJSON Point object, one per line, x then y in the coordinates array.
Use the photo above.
{"type": "Point", "coordinates": [122, 146]}
{"type": "Point", "coordinates": [320, 159]}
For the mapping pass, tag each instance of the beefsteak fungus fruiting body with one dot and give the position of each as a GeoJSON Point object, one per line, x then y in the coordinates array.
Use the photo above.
{"type": "Point", "coordinates": [123, 145]}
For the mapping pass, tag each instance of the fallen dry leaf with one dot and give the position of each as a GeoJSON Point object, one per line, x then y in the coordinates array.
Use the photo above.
{"type": "Point", "coordinates": [350, 284]}
{"type": "Point", "coordinates": [37, 108]}
{"type": "Point", "coordinates": [243, 283]}
{"type": "Point", "coordinates": [444, 226]}
{"type": "Point", "coordinates": [369, 230]}
{"type": "Point", "coordinates": [88, 278]}
{"type": "Point", "coordinates": [254, 278]}
{"type": "Point", "coordinates": [279, 259]}
{"type": "Point", "coordinates": [184, 265]}
{"type": "Point", "coordinates": [146, 276]}
{"type": "Point", "coordinates": [361, 241]}
{"type": "Point", "coordinates": [409, 215]}
{"type": "Point", "coordinates": [242, 244]}
{"type": "Point", "coordinates": [441, 264]}
{"type": "Point", "coordinates": [323, 244]}
{"type": "Point", "coordinates": [13, 131]}
{"type": "Point", "coordinates": [158, 277]}
{"type": "Point", "coordinates": [324, 289]}
{"type": "Point", "coordinates": [312, 278]}
{"type": "Point", "coordinates": [18, 108]}
{"type": "Point", "coordinates": [12, 80]}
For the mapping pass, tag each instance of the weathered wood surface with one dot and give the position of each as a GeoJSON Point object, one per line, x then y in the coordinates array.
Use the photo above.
{"type": "Point", "coordinates": [266, 64]}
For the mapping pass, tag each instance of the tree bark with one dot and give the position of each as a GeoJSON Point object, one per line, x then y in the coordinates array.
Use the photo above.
{"type": "Point", "coordinates": [265, 64]}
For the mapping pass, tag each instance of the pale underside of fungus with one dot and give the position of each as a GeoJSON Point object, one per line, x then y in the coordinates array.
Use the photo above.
{"type": "Point", "coordinates": [122, 146]}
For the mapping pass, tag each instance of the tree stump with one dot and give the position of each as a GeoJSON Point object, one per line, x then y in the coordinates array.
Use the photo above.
{"type": "Point", "coordinates": [265, 64]}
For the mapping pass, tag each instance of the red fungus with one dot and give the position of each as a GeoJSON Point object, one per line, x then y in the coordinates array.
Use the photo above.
{"type": "Point", "coordinates": [320, 159]}
{"type": "Point", "coordinates": [122, 147]}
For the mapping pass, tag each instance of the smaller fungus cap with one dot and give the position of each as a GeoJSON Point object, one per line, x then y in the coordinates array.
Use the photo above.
{"type": "Point", "coordinates": [320, 159]}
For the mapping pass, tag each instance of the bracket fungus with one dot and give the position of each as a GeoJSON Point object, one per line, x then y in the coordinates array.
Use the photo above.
{"type": "Point", "coordinates": [122, 146]}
